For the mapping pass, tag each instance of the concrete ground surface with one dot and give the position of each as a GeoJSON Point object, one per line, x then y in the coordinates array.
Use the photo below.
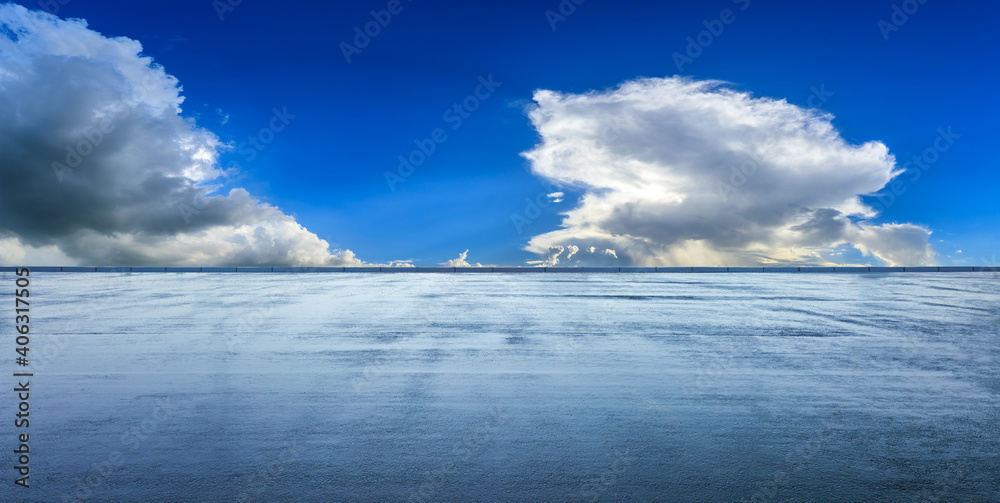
{"type": "Point", "coordinates": [449, 387]}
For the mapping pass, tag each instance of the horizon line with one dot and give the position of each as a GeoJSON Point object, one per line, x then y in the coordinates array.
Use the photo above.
{"type": "Point", "coordinates": [503, 269]}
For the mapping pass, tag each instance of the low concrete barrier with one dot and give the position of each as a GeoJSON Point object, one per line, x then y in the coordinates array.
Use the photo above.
{"type": "Point", "coordinates": [184, 269]}
{"type": "Point", "coordinates": [745, 269]}
{"type": "Point", "coordinates": [636, 269]}
{"type": "Point", "coordinates": [519, 269]}
{"type": "Point", "coordinates": [781, 269]}
{"type": "Point", "coordinates": [418, 269]}
{"type": "Point", "coordinates": [850, 269]}
{"type": "Point", "coordinates": [254, 269]}
{"type": "Point", "coordinates": [46, 268]}
{"type": "Point", "coordinates": [473, 269]}
{"type": "Point", "coordinates": [121, 269]}
{"type": "Point", "coordinates": [582, 269]}
{"type": "Point", "coordinates": [886, 269]}
{"type": "Point", "coordinates": [709, 269]}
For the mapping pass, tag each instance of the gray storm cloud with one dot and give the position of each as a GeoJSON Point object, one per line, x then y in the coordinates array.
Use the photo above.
{"type": "Point", "coordinates": [682, 172]}
{"type": "Point", "coordinates": [97, 165]}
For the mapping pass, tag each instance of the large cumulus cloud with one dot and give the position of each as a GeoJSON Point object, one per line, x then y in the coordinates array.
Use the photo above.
{"type": "Point", "coordinates": [675, 171]}
{"type": "Point", "coordinates": [98, 166]}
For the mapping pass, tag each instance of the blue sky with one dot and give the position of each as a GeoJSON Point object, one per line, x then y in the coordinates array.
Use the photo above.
{"type": "Point", "coordinates": [326, 167]}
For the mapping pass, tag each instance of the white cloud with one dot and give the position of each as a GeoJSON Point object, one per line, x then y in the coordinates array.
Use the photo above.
{"type": "Point", "coordinates": [899, 244]}
{"type": "Point", "coordinates": [554, 256]}
{"type": "Point", "coordinates": [694, 173]}
{"type": "Point", "coordinates": [401, 263]}
{"type": "Point", "coordinates": [13, 251]}
{"type": "Point", "coordinates": [97, 165]}
{"type": "Point", "coordinates": [460, 261]}
{"type": "Point", "coordinates": [572, 250]}
{"type": "Point", "coordinates": [556, 197]}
